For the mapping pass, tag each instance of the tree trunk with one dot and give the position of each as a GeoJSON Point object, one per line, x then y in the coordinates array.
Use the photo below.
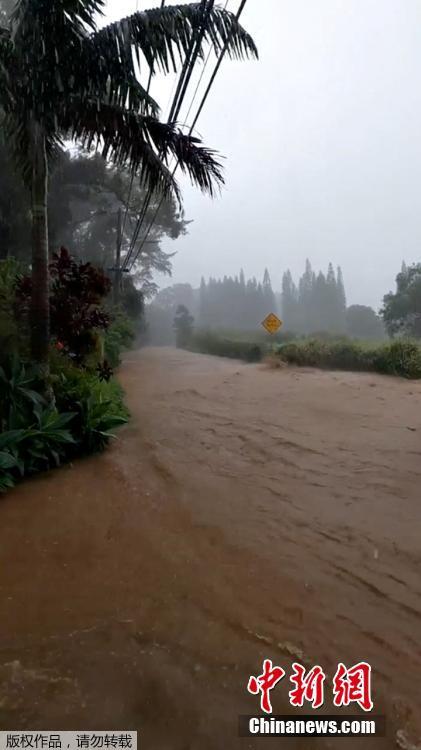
{"type": "Point", "coordinates": [40, 305]}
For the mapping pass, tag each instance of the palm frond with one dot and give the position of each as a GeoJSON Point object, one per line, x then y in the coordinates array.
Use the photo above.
{"type": "Point", "coordinates": [6, 54]}
{"type": "Point", "coordinates": [48, 35]}
{"type": "Point", "coordinates": [108, 71]}
{"type": "Point", "coordinates": [121, 136]}
{"type": "Point", "coordinates": [58, 70]}
{"type": "Point", "coordinates": [192, 157]}
{"type": "Point", "coordinates": [142, 143]}
{"type": "Point", "coordinates": [162, 34]}
{"type": "Point", "coordinates": [77, 15]}
{"type": "Point", "coordinates": [198, 162]}
{"type": "Point", "coordinates": [70, 60]}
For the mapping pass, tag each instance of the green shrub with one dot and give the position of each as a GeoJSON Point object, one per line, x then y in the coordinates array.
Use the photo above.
{"type": "Point", "coordinates": [8, 461]}
{"type": "Point", "coordinates": [18, 394]}
{"type": "Point", "coordinates": [347, 355]}
{"type": "Point", "coordinates": [35, 448]}
{"type": "Point", "coordinates": [98, 417]}
{"type": "Point", "coordinates": [118, 338]}
{"type": "Point", "coordinates": [77, 313]}
{"type": "Point", "coordinates": [35, 437]}
{"type": "Point", "coordinates": [45, 443]}
{"type": "Point", "coordinates": [98, 406]}
{"type": "Point", "coordinates": [211, 343]}
{"type": "Point", "coordinates": [399, 357]}
{"type": "Point", "coordinates": [10, 337]}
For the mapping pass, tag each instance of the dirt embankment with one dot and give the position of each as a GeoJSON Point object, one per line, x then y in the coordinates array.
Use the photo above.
{"type": "Point", "coordinates": [244, 513]}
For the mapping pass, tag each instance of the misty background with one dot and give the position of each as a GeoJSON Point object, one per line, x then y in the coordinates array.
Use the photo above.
{"type": "Point", "coordinates": [322, 146]}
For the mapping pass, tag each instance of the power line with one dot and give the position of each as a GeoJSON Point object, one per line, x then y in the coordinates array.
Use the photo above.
{"type": "Point", "coordinates": [215, 72]}
{"type": "Point", "coordinates": [200, 79]}
{"type": "Point", "coordinates": [207, 9]}
{"type": "Point", "coordinates": [185, 76]}
{"type": "Point", "coordinates": [147, 94]}
{"type": "Point", "coordinates": [204, 99]}
{"type": "Point", "coordinates": [190, 56]}
{"type": "Point", "coordinates": [171, 98]}
{"type": "Point", "coordinates": [188, 65]}
{"type": "Point", "coordinates": [175, 102]}
{"type": "Point", "coordinates": [188, 112]}
{"type": "Point", "coordinates": [128, 202]}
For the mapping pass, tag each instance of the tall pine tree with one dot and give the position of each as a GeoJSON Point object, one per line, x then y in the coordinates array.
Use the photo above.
{"type": "Point", "coordinates": [290, 304]}
{"type": "Point", "coordinates": [341, 302]}
{"type": "Point", "coordinates": [268, 295]}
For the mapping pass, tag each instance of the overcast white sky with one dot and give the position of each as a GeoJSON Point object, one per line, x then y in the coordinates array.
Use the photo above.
{"type": "Point", "coordinates": [322, 139]}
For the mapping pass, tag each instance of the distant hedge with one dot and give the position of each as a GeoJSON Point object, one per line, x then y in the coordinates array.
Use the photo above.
{"type": "Point", "coordinates": [211, 343]}
{"type": "Point", "coordinates": [399, 357]}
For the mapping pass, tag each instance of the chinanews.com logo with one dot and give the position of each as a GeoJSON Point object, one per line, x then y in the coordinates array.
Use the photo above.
{"type": "Point", "coordinates": [350, 686]}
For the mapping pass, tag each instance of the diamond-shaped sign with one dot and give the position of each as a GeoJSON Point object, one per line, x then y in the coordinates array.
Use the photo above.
{"type": "Point", "coordinates": [272, 323]}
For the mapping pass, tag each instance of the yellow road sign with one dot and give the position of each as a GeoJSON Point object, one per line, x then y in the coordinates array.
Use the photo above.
{"type": "Point", "coordinates": [272, 323]}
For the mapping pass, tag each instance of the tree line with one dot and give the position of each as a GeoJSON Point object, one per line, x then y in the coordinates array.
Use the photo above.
{"type": "Point", "coordinates": [235, 302]}
{"type": "Point", "coordinates": [316, 304]}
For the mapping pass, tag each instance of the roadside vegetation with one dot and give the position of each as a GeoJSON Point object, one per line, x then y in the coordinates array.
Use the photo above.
{"type": "Point", "coordinates": [327, 333]}
{"type": "Point", "coordinates": [44, 424]}
{"type": "Point", "coordinates": [401, 357]}
{"type": "Point", "coordinates": [63, 327]}
{"type": "Point", "coordinates": [220, 345]}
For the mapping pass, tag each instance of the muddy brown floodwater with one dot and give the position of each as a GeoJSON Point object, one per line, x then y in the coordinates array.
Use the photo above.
{"type": "Point", "coordinates": [244, 513]}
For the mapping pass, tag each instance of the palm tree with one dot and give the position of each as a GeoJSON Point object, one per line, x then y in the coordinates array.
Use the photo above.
{"type": "Point", "coordinates": [62, 77]}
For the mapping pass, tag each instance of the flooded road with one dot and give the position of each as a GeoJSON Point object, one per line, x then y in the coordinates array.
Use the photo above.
{"type": "Point", "coordinates": [244, 513]}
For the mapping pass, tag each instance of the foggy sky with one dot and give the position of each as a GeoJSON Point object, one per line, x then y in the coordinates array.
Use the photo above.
{"type": "Point", "coordinates": [322, 139]}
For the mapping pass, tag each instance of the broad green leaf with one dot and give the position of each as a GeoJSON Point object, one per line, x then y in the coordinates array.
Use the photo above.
{"type": "Point", "coordinates": [11, 438]}
{"type": "Point", "coordinates": [7, 461]}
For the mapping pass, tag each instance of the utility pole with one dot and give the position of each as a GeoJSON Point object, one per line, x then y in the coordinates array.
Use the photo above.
{"type": "Point", "coordinates": [117, 269]}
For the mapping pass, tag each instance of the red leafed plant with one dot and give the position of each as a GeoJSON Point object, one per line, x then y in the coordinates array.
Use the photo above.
{"type": "Point", "coordinates": [76, 293]}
